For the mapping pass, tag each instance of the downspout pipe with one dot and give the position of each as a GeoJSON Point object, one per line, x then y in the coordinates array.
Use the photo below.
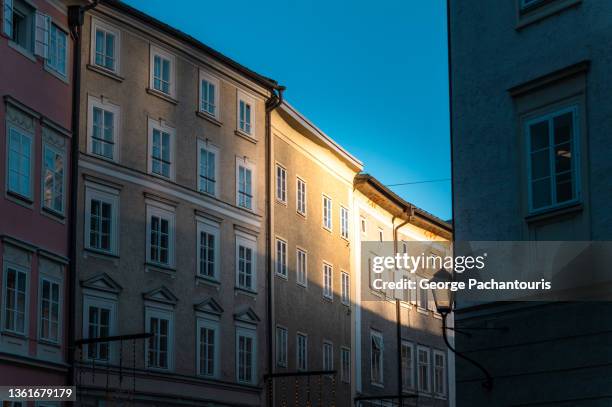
{"type": "Point", "coordinates": [76, 16]}
{"type": "Point", "coordinates": [409, 214]}
{"type": "Point", "coordinates": [272, 103]}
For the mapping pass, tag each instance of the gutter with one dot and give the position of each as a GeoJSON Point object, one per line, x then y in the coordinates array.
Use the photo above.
{"type": "Point", "coordinates": [76, 16]}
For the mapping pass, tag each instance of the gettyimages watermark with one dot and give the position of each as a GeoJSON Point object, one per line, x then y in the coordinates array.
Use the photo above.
{"type": "Point", "coordinates": [485, 271]}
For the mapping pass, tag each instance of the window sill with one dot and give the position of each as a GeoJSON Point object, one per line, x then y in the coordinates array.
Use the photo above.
{"type": "Point", "coordinates": [281, 276]}
{"type": "Point", "coordinates": [14, 334]}
{"type": "Point", "coordinates": [160, 268]}
{"type": "Point", "coordinates": [546, 214]}
{"type": "Point", "coordinates": [376, 384]}
{"type": "Point", "coordinates": [328, 299]}
{"type": "Point", "coordinates": [105, 72]}
{"type": "Point", "coordinates": [246, 291]}
{"type": "Point", "coordinates": [327, 229]}
{"type": "Point", "coordinates": [162, 95]}
{"type": "Point", "coordinates": [207, 281]}
{"type": "Point", "coordinates": [302, 215]}
{"type": "Point", "coordinates": [422, 311]}
{"type": "Point", "coordinates": [246, 136]}
{"type": "Point", "coordinates": [209, 118]}
{"type": "Point", "coordinates": [49, 342]}
{"type": "Point", "coordinates": [53, 214]}
{"type": "Point", "coordinates": [281, 202]}
{"type": "Point", "coordinates": [544, 9]}
{"type": "Point", "coordinates": [100, 253]}
{"type": "Point", "coordinates": [61, 77]}
{"type": "Point", "coordinates": [26, 53]}
{"type": "Point", "coordinates": [19, 199]}
{"type": "Point", "coordinates": [303, 285]}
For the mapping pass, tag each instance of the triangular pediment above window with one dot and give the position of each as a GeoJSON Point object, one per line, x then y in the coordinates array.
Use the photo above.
{"type": "Point", "coordinates": [161, 294]}
{"type": "Point", "coordinates": [102, 282]}
{"type": "Point", "coordinates": [247, 315]}
{"type": "Point", "coordinates": [209, 306]}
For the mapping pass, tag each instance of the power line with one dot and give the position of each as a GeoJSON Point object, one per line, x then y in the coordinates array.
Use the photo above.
{"type": "Point", "coordinates": [419, 182]}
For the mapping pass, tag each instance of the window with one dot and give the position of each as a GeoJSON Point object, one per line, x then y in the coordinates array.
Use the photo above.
{"type": "Point", "coordinates": [162, 72]}
{"type": "Point", "coordinates": [57, 60]}
{"type": "Point", "coordinates": [209, 95]}
{"type": "Point", "coordinates": [15, 303]}
{"type": "Point", "coordinates": [208, 253]}
{"type": "Point", "coordinates": [422, 300]}
{"type": "Point", "coordinates": [376, 357]}
{"type": "Point", "coordinates": [423, 369]}
{"type": "Point", "coordinates": [101, 221]}
{"type": "Point", "coordinates": [327, 281]}
{"type": "Point", "coordinates": [281, 184]}
{"type": "Point", "coordinates": [103, 129]}
{"type": "Point", "coordinates": [301, 267]}
{"type": "Point", "coordinates": [105, 46]}
{"type": "Point", "coordinates": [345, 365]}
{"type": "Point", "coordinates": [53, 179]}
{"type": "Point", "coordinates": [208, 168]}
{"type": "Point", "coordinates": [50, 312]}
{"type": "Point", "coordinates": [246, 354]}
{"type": "Point", "coordinates": [208, 347]}
{"type": "Point", "coordinates": [302, 351]}
{"type": "Point", "coordinates": [344, 222]}
{"type": "Point", "coordinates": [346, 288]}
{"type": "Point", "coordinates": [363, 225]}
{"type": "Point", "coordinates": [99, 321]}
{"type": "Point", "coordinates": [281, 346]}
{"type": "Point", "coordinates": [246, 123]}
{"type": "Point", "coordinates": [327, 213]}
{"type": "Point", "coordinates": [439, 377]}
{"type": "Point", "coordinates": [246, 262]}
{"type": "Point", "coordinates": [161, 149]}
{"type": "Point", "coordinates": [20, 162]}
{"type": "Point", "coordinates": [328, 356]}
{"type": "Point", "coordinates": [553, 159]}
{"type": "Point", "coordinates": [380, 235]}
{"type": "Point", "coordinates": [281, 257]}
{"type": "Point", "coordinates": [160, 345]}
{"type": "Point", "coordinates": [26, 27]}
{"type": "Point", "coordinates": [244, 181]}
{"type": "Point", "coordinates": [407, 365]}
{"type": "Point", "coordinates": [160, 235]}
{"type": "Point", "coordinates": [301, 197]}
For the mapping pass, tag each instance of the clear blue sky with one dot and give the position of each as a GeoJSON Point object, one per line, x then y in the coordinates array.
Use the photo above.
{"type": "Point", "coordinates": [373, 76]}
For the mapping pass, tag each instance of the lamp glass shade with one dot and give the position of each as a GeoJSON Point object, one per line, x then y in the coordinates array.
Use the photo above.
{"type": "Point", "coordinates": [443, 295]}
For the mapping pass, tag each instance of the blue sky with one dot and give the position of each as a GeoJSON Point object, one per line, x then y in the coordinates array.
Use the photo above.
{"type": "Point", "coordinates": [373, 76]}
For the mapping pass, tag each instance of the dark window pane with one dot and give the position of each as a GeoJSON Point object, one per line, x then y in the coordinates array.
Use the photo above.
{"type": "Point", "coordinates": [539, 135]}
{"type": "Point", "coordinates": [563, 128]}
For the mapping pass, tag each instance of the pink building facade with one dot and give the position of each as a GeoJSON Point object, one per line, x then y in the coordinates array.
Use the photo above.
{"type": "Point", "coordinates": [35, 139]}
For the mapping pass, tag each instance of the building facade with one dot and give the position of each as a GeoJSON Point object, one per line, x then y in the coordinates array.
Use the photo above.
{"type": "Point", "coordinates": [398, 332]}
{"type": "Point", "coordinates": [533, 112]}
{"type": "Point", "coordinates": [35, 146]}
{"type": "Point", "coordinates": [171, 217]}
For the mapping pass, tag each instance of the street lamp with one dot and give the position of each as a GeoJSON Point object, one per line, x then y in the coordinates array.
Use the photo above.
{"type": "Point", "coordinates": [444, 297]}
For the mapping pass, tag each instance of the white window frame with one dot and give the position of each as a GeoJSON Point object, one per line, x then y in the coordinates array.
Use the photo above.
{"type": "Point", "coordinates": [210, 148]}
{"type": "Point", "coordinates": [345, 279]}
{"type": "Point", "coordinates": [26, 312]}
{"type": "Point", "coordinates": [61, 152]}
{"type": "Point", "coordinates": [59, 282]}
{"type": "Point", "coordinates": [408, 371]}
{"type": "Point", "coordinates": [282, 348]}
{"type": "Point", "coordinates": [97, 24]}
{"type": "Point", "coordinates": [213, 228]}
{"type": "Point", "coordinates": [327, 213]}
{"type": "Point", "coordinates": [22, 134]}
{"type": "Point", "coordinates": [162, 127]}
{"type": "Point", "coordinates": [345, 364]}
{"type": "Point", "coordinates": [363, 225]}
{"type": "Point", "coordinates": [205, 76]}
{"type": "Point", "coordinates": [207, 323]}
{"type": "Point", "coordinates": [377, 380]}
{"type": "Point", "coordinates": [110, 196]}
{"type": "Point", "coordinates": [281, 258]}
{"type": "Point", "coordinates": [249, 165]}
{"type": "Point", "coordinates": [423, 389]}
{"type": "Point", "coordinates": [281, 184]}
{"type": "Point", "coordinates": [328, 289]}
{"type": "Point", "coordinates": [249, 333]}
{"type": "Point", "coordinates": [328, 355]}
{"type": "Point", "coordinates": [166, 313]}
{"type": "Point", "coordinates": [422, 297]}
{"type": "Point", "coordinates": [157, 51]}
{"type": "Point", "coordinates": [301, 205]}
{"type": "Point", "coordinates": [100, 301]}
{"type": "Point", "coordinates": [55, 69]}
{"type": "Point", "coordinates": [344, 222]}
{"type": "Point", "coordinates": [250, 242]}
{"type": "Point", "coordinates": [301, 281]}
{"type": "Point", "coordinates": [166, 212]}
{"type": "Point", "coordinates": [104, 105]}
{"type": "Point", "coordinates": [381, 235]}
{"type": "Point", "coordinates": [7, 18]}
{"type": "Point", "coordinates": [435, 368]}
{"type": "Point", "coordinates": [301, 351]}
{"type": "Point", "coordinates": [575, 160]}
{"type": "Point", "coordinates": [245, 98]}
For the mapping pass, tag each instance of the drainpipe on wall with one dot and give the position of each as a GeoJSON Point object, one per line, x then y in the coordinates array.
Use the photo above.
{"type": "Point", "coordinates": [76, 16]}
{"type": "Point", "coordinates": [272, 103]}
{"type": "Point", "coordinates": [398, 315]}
